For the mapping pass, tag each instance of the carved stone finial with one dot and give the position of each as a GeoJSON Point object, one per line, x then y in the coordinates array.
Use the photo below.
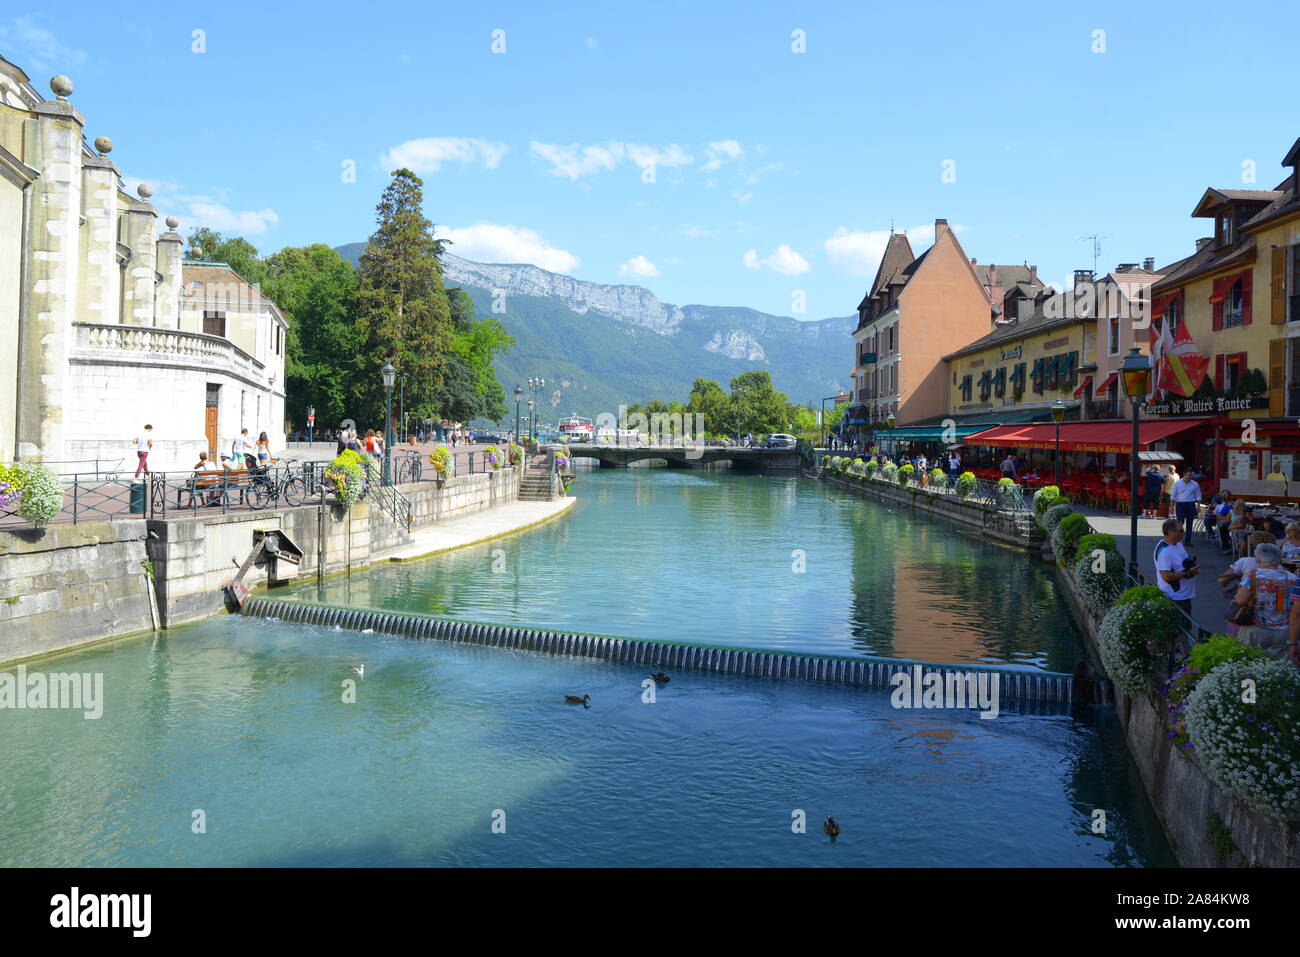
{"type": "Point", "coordinates": [172, 222]}
{"type": "Point", "coordinates": [144, 190]}
{"type": "Point", "coordinates": [104, 145]}
{"type": "Point", "coordinates": [61, 86]}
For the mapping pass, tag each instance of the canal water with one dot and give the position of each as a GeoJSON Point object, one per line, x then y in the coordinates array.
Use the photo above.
{"type": "Point", "coordinates": [754, 561]}
{"type": "Point", "coordinates": [243, 724]}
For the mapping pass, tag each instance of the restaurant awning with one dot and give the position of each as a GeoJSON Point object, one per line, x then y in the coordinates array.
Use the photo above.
{"type": "Point", "coordinates": [1083, 436]}
{"type": "Point", "coordinates": [1083, 387]}
{"type": "Point", "coordinates": [1105, 383]}
{"type": "Point", "coordinates": [1159, 457]}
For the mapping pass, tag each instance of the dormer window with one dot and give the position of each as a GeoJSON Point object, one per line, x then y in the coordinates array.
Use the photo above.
{"type": "Point", "coordinates": [1225, 230]}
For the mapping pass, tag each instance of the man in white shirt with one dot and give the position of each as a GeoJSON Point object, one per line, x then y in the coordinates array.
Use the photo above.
{"type": "Point", "coordinates": [1186, 495]}
{"type": "Point", "coordinates": [1175, 580]}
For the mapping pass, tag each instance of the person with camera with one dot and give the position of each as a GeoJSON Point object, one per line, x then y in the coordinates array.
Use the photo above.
{"type": "Point", "coordinates": [1176, 571]}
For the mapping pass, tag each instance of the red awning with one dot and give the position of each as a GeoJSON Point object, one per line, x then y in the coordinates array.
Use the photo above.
{"type": "Point", "coordinates": [1105, 383]}
{"type": "Point", "coordinates": [1083, 387]}
{"type": "Point", "coordinates": [1083, 436]}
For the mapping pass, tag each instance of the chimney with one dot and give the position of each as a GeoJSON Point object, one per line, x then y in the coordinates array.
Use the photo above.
{"type": "Point", "coordinates": [1203, 242]}
{"type": "Point", "coordinates": [1149, 264]}
{"type": "Point", "coordinates": [1082, 277]}
{"type": "Point", "coordinates": [940, 227]}
{"type": "Point", "coordinates": [1033, 274]}
{"type": "Point", "coordinates": [1126, 267]}
{"type": "Point", "coordinates": [973, 262]}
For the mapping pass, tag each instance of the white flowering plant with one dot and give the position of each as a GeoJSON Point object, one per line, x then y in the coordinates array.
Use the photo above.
{"type": "Point", "coordinates": [1136, 633]}
{"type": "Point", "coordinates": [1099, 573]}
{"type": "Point", "coordinates": [33, 491]}
{"type": "Point", "coordinates": [889, 472]}
{"type": "Point", "coordinates": [1243, 719]}
{"type": "Point", "coordinates": [938, 479]}
{"type": "Point", "coordinates": [1052, 517]}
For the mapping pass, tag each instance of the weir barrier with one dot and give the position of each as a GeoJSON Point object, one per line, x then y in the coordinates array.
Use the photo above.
{"type": "Point", "coordinates": [1038, 691]}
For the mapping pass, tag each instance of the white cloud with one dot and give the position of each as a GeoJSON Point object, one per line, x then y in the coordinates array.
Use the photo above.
{"type": "Point", "coordinates": [575, 160]}
{"type": "Point", "coordinates": [762, 171]}
{"type": "Point", "coordinates": [593, 43]}
{"type": "Point", "coordinates": [858, 253]}
{"type": "Point", "coordinates": [785, 261]}
{"type": "Point", "coordinates": [742, 198]}
{"type": "Point", "coordinates": [695, 232]}
{"type": "Point", "coordinates": [427, 155]}
{"type": "Point", "coordinates": [38, 48]}
{"type": "Point", "coordinates": [247, 222]}
{"type": "Point", "coordinates": [492, 243]}
{"type": "Point", "coordinates": [638, 266]}
{"type": "Point", "coordinates": [719, 152]}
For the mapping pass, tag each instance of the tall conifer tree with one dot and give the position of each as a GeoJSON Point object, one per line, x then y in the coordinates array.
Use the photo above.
{"type": "Point", "coordinates": [402, 309]}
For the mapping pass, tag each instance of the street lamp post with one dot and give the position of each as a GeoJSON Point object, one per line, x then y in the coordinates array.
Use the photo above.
{"type": "Point", "coordinates": [535, 385]}
{"type": "Point", "coordinates": [389, 374]}
{"type": "Point", "coordinates": [311, 423]}
{"type": "Point", "coordinates": [401, 406]}
{"type": "Point", "coordinates": [1058, 414]}
{"type": "Point", "coordinates": [1135, 371]}
{"type": "Point", "coordinates": [890, 420]}
{"type": "Point", "coordinates": [830, 398]}
{"type": "Point", "coordinates": [519, 395]}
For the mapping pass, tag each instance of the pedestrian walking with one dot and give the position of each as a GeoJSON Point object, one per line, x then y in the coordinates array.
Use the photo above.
{"type": "Point", "coordinates": [1171, 477]}
{"type": "Point", "coordinates": [143, 443]}
{"type": "Point", "coordinates": [1153, 485]}
{"type": "Point", "coordinates": [1186, 495]}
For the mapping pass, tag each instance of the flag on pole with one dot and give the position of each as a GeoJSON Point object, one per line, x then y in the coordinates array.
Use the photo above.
{"type": "Point", "coordinates": [1182, 367]}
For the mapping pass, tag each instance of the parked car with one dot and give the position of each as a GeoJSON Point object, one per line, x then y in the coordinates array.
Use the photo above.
{"type": "Point", "coordinates": [779, 440]}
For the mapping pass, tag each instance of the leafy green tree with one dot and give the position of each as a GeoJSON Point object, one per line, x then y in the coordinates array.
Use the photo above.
{"type": "Point", "coordinates": [470, 388]}
{"type": "Point", "coordinates": [710, 400]}
{"type": "Point", "coordinates": [314, 288]}
{"type": "Point", "coordinates": [403, 314]}
{"type": "Point", "coordinates": [236, 252]}
{"type": "Point", "coordinates": [757, 406]}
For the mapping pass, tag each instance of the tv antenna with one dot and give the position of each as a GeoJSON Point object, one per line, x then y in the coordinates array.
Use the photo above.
{"type": "Point", "coordinates": [1096, 248]}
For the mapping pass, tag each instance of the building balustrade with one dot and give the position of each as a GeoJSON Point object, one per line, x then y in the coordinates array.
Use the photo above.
{"type": "Point", "coordinates": [141, 343]}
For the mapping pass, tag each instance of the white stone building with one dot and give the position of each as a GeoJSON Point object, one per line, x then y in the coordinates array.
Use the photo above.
{"type": "Point", "coordinates": [104, 326]}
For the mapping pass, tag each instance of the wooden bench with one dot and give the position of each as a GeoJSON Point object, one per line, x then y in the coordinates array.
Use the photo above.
{"type": "Point", "coordinates": [214, 484]}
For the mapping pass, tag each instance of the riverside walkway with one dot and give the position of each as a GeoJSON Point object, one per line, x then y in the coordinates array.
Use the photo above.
{"type": "Point", "coordinates": [478, 527]}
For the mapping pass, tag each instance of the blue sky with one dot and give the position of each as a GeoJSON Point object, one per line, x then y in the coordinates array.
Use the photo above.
{"type": "Point", "coordinates": [770, 172]}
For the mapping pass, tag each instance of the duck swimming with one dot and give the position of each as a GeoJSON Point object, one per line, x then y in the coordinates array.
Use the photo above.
{"type": "Point", "coordinates": [359, 670]}
{"type": "Point", "coordinates": [573, 699]}
{"type": "Point", "coordinates": [660, 677]}
{"type": "Point", "coordinates": [831, 826]}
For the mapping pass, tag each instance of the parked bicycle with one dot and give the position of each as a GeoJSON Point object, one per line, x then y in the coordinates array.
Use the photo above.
{"type": "Point", "coordinates": [407, 468]}
{"type": "Point", "coordinates": [293, 484]}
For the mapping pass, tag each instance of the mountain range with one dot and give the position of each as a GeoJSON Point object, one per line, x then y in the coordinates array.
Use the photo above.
{"type": "Point", "coordinates": [600, 346]}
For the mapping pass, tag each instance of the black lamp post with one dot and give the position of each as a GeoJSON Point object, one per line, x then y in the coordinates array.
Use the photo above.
{"type": "Point", "coordinates": [1058, 414]}
{"type": "Point", "coordinates": [519, 395]}
{"type": "Point", "coordinates": [890, 420]}
{"type": "Point", "coordinates": [1135, 371]}
{"type": "Point", "coordinates": [535, 385]}
{"type": "Point", "coordinates": [390, 374]}
{"type": "Point", "coordinates": [401, 406]}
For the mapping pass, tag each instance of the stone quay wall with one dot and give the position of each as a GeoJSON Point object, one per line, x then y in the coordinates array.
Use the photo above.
{"type": "Point", "coordinates": [991, 522]}
{"type": "Point", "coordinates": [68, 585]}
{"type": "Point", "coordinates": [64, 586]}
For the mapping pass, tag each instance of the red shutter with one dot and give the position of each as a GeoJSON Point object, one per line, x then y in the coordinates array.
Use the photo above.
{"type": "Point", "coordinates": [1220, 364]}
{"type": "Point", "coordinates": [1245, 296]}
{"type": "Point", "coordinates": [1218, 315]}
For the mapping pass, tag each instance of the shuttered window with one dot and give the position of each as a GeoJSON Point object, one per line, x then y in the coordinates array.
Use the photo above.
{"type": "Point", "coordinates": [1278, 285]}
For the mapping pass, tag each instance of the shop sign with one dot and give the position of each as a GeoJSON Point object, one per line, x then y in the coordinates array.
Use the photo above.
{"type": "Point", "coordinates": [1010, 354]}
{"type": "Point", "coordinates": [1217, 405]}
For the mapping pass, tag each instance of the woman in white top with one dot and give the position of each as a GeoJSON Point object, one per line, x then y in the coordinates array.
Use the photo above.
{"type": "Point", "coordinates": [1170, 481]}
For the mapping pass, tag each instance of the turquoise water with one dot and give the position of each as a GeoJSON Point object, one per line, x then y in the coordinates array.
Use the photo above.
{"type": "Point", "coordinates": [711, 557]}
{"type": "Point", "coordinates": [245, 720]}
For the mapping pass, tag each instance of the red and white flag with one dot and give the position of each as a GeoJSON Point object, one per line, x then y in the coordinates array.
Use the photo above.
{"type": "Point", "coordinates": [1181, 367]}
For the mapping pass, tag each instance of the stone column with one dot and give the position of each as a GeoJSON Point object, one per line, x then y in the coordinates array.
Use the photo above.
{"type": "Point", "coordinates": [139, 223]}
{"type": "Point", "coordinates": [101, 276]}
{"type": "Point", "coordinates": [54, 147]}
{"type": "Point", "coordinates": [167, 297]}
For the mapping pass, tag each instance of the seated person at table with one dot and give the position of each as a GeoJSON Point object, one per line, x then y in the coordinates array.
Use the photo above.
{"type": "Point", "coordinates": [1237, 528]}
{"type": "Point", "coordinates": [1270, 587]}
{"type": "Point", "coordinates": [1291, 544]}
{"type": "Point", "coordinates": [206, 468]}
{"type": "Point", "coordinates": [1222, 512]}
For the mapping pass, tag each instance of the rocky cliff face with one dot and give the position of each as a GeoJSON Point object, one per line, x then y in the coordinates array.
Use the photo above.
{"type": "Point", "coordinates": [736, 344]}
{"type": "Point", "coordinates": [629, 303]}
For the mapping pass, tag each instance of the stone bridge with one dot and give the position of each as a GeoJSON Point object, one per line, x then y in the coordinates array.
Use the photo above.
{"type": "Point", "coordinates": [690, 457]}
